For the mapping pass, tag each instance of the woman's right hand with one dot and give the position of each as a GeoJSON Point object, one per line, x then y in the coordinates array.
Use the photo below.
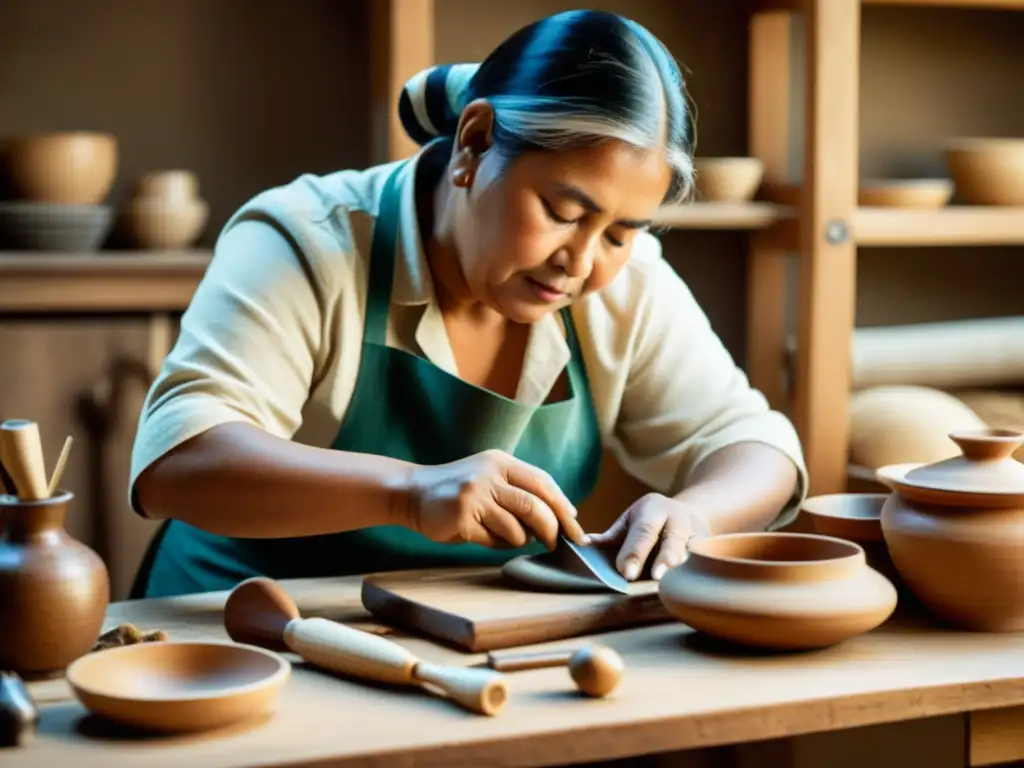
{"type": "Point", "coordinates": [491, 498]}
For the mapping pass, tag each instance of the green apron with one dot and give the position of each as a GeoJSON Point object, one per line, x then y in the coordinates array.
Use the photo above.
{"type": "Point", "coordinates": [407, 408]}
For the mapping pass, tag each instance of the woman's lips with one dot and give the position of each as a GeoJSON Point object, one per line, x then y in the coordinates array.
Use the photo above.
{"type": "Point", "coordinates": [545, 292]}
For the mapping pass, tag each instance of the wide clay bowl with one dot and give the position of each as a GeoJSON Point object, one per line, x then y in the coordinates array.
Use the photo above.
{"type": "Point", "coordinates": [782, 591]}
{"type": "Point", "coordinates": [179, 686]}
{"type": "Point", "coordinates": [851, 516]}
{"type": "Point", "coordinates": [728, 179]}
{"type": "Point", "coordinates": [72, 168]}
{"type": "Point", "coordinates": [905, 193]}
{"type": "Point", "coordinates": [987, 171]}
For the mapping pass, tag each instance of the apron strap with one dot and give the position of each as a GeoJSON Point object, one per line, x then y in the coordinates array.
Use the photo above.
{"type": "Point", "coordinates": [382, 261]}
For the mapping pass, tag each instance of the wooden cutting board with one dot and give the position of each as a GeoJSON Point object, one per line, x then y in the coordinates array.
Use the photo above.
{"type": "Point", "coordinates": [477, 609]}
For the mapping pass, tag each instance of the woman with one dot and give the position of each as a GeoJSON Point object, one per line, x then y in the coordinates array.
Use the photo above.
{"type": "Point", "coordinates": [418, 364]}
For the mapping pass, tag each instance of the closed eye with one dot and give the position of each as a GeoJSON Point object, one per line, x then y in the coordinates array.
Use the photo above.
{"type": "Point", "coordinates": [549, 209]}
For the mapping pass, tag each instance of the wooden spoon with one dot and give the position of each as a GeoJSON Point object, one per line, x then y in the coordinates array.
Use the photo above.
{"type": "Point", "coordinates": [259, 612]}
{"type": "Point", "coordinates": [596, 669]}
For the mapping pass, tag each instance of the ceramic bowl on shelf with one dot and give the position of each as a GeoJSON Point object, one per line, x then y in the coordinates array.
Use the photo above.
{"type": "Point", "coordinates": [955, 531]}
{"type": "Point", "coordinates": [67, 168]}
{"type": "Point", "coordinates": [782, 591]}
{"type": "Point", "coordinates": [728, 179]}
{"type": "Point", "coordinates": [179, 686]}
{"type": "Point", "coordinates": [987, 171]}
{"type": "Point", "coordinates": [905, 193]}
{"type": "Point", "coordinates": [156, 223]}
{"type": "Point", "coordinates": [53, 227]}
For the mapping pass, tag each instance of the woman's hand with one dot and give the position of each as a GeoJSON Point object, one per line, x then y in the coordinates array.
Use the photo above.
{"type": "Point", "coordinates": [655, 522]}
{"type": "Point", "coordinates": [490, 498]}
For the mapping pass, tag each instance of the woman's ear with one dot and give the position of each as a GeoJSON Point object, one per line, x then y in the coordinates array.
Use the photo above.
{"type": "Point", "coordinates": [472, 139]}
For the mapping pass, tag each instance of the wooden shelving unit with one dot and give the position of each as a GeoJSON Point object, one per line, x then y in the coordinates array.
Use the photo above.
{"type": "Point", "coordinates": [813, 48]}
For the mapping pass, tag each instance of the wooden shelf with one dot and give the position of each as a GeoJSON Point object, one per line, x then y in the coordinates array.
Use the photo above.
{"type": "Point", "coordinates": [1010, 5]}
{"type": "Point", "coordinates": [755, 215]}
{"type": "Point", "coordinates": [954, 225]}
{"type": "Point", "coordinates": [114, 281]}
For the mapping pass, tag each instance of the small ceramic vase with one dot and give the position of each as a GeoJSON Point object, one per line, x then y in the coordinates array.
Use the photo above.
{"type": "Point", "coordinates": [54, 590]}
{"type": "Point", "coordinates": [781, 591]}
{"type": "Point", "coordinates": [955, 532]}
{"type": "Point", "coordinates": [166, 211]}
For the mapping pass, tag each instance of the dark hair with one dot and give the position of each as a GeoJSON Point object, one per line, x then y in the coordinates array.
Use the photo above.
{"type": "Point", "coordinates": [565, 81]}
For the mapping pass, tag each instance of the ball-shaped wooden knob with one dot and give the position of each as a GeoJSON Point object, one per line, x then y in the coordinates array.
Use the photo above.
{"type": "Point", "coordinates": [596, 669]}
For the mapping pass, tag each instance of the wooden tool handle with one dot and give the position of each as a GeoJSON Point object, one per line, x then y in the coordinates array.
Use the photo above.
{"type": "Point", "coordinates": [514, 661]}
{"type": "Point", "coordinates": [334, 646]}
{"type": "Point", "coordinates": [479, 690]}
{"type": "Point", "coordinates": [21, 450]}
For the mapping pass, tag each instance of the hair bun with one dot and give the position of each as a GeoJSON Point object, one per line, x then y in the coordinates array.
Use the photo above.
{"type": "Point", "coordinates": [432, 101]}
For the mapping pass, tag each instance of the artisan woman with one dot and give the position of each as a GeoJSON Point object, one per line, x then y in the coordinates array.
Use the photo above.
{"type": "Point", "coordinates": [418, 364]}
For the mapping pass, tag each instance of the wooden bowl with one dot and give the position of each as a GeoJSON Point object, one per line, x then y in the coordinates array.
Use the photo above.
{"type": "Point", "coordinates": [905, 193]}
{"type": "Point", "coordinates": [179, 686]}
{"type": "Point", "coordinates": [728, 179]}
{"type": "Point", "coordinates": [987, 171]}
{"type": "Point", "coordinates": [782, 591]}
{"type": "Point", "coordinates": [76, 168]}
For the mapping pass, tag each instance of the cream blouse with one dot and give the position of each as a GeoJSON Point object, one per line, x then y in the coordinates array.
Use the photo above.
{"type": "Point", "coordinates": [273, 335]}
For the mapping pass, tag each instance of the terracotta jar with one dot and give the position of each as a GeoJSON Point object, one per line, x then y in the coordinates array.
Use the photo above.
{"type": "Point", "coordinates": [54, 590]}
{"type": "Point", "coordinates": [955, 531]}
{"type": "Point", "coordinates": [166, 211]}
{"type": "Point", "coordinates": [786, 591]}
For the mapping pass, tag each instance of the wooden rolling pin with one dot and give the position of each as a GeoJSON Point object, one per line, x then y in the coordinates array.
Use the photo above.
{"type": "Point", "coordinates": [596, 669]}
{"type": "Point", "coordinates": [21, 451]}
{"type": "Point", "coordinates": [258, 612]}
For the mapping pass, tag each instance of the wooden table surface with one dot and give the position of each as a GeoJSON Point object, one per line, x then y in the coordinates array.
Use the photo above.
{"type": "Point", "coordinates": [678, 692]}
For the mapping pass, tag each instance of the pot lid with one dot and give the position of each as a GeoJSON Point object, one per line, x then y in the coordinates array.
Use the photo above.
{"type": "Point", "coordinates": [986, 465]}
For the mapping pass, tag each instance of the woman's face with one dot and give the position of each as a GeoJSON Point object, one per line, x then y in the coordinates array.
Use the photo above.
{"type": "Point", "coordinates": [536, 233]}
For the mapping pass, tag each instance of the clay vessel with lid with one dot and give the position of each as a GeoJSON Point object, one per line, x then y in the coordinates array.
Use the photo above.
{"type": "Point", "coordinates": [54, 590]}
{"type": "Point", "coordinates": [784, 591]}
{"type": "Point", "coordinates": [955, 531]}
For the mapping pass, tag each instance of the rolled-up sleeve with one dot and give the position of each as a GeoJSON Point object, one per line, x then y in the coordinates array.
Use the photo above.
{"type": "Point", "coordinates": [684, 396]}
{"type": "Point", "coordinates": [247, 347]}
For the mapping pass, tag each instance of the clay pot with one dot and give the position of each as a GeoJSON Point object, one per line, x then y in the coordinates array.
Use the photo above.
{"type": "Point", "coordinates": [728, 179]}
{"type": "Point", "coordinates": [785, 591]}
{"type": "Point", "coordinates": [72, 168]}
{"type": "Point", "coordinates": [955, 531]}
{"type": "Point", "coordinates": [166, 211]}
{"type": "Point", "coordinates": [54, 590]}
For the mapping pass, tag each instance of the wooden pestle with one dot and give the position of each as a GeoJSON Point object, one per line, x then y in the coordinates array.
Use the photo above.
{"type": "Point", "coordinates": [21, 451]}
{"type": "Point", "coordinates": [258, 612]}
{"type": "Point", "coordinates": [596, 669]}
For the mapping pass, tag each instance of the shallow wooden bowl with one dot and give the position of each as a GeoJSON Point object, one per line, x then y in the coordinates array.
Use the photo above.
{"type": "Point", "coordinates": [780, 591]}
{"type": "Point", "coordinates": [72, 168]}
{"type": "Point", "coordinates": [905, 193]}
{"type": "Point", "coordinates": [987, 171]}
{"type": "Point", "coordinates": [179, 686]}
{"type": "Point", "coordinates": [728, 179]}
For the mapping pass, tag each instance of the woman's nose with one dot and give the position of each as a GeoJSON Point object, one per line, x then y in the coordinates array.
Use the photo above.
{"type": "Point", "coordinates": [576, 257]}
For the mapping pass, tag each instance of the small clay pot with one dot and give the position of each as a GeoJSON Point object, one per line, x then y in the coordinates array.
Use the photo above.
{"type": "Point", "coordinates": [166, 211]}
{"type": "Point", "coordinates": [54, 590]}
{"type": "Point", "coordinates": [784, 591]}
{"type": "Point", "coordinates": [955, 532]}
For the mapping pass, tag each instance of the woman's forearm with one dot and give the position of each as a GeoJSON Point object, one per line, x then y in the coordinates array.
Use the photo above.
{"type": "Point", "coordinates": [239, 480]}
{"type": "Point", "coordinates": [741, 487]}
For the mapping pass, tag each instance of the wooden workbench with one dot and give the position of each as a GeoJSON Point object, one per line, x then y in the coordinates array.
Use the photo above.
{"type": "Point", "coordinates": [678, 693]}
